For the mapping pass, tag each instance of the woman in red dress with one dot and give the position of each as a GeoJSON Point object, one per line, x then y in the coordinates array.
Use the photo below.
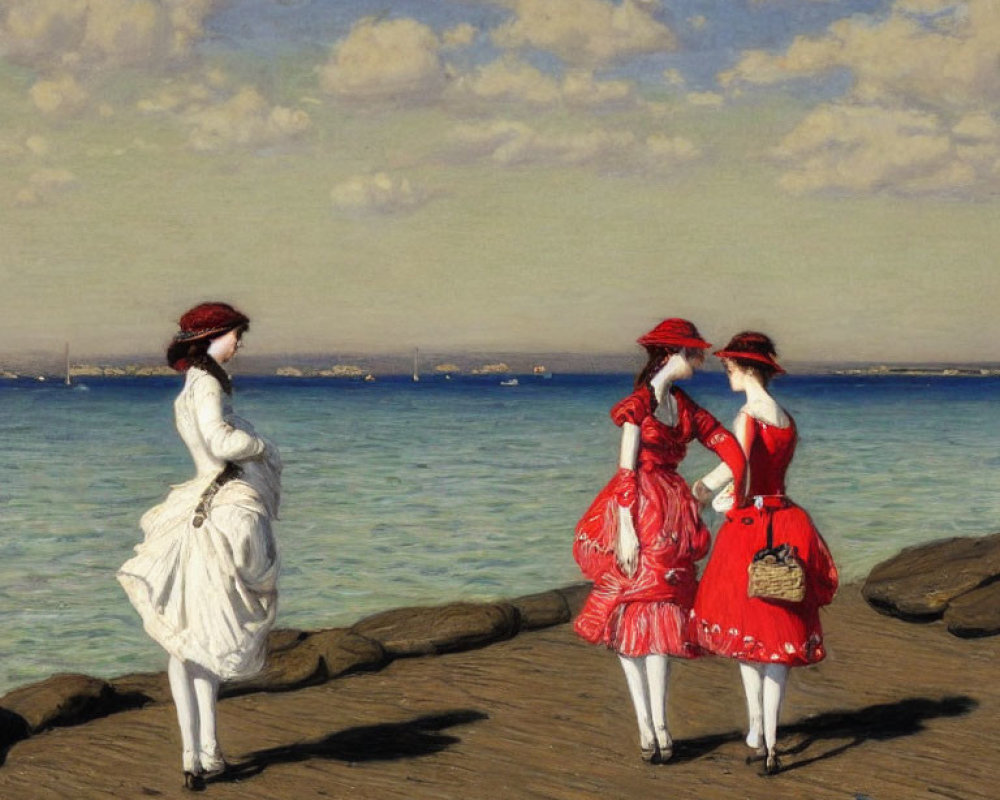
{"type": "Point", "coordinates": [766, 636]}
{"type": "Point", "coordinates": [639, 540]}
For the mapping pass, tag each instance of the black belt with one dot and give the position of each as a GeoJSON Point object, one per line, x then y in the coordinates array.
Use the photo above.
{"type": "Point", "coordinates": [228, 473]}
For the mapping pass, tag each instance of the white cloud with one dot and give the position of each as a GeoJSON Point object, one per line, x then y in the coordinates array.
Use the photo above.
{"type": "Point", "coordinates": [674, 78]}
{"type": "Point", "coordinates": [460, 36]}
{"type": "Point", "coordinates": [509, 143]}
{"type": "Point", "coordinates": [390, 59]}
{"type": "Point", "coordinates": [66, 34]}
{"type": "Point", "coordinates": [709, 99]}
{"type": "Point", "coordinates": [866, 148]}
{"type": "Point", "coordinates": [925, 80]}
{"type": "Point", "coordinates": [512, 81]}
{"type": "Point", "coordinates": [380, 193]}
{"type": "Point", "coordinates": [949, 64]}
{"type": "Point", "coordinates": [581, 89]}
{"type": "Point", "coordinates": [218, 117]}
{"type": "Point", "coordinates": [20, 146]}
{"type": "Point", "coordinates": [245, 119]}
{"type": "Point", "coordinates": [587, 33]}
{"type": "Point", "coordinates": [61, 96]}
{"type": "Point", "coordinates": [508, 80]}
{"type": "Point", "coordinates": [73, 44]}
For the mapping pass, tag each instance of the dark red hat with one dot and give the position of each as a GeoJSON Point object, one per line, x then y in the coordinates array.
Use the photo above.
{"type": "Point", "coordinates": [209, 318]}
{"type": "Point", "coordinates": [674, 332]}
{"type": "Point", "coordinates": [763, 358]}
{"type": "Point", "coordinates": [752, 346]}
{"type": "Point", "coordinates": [204, 321]}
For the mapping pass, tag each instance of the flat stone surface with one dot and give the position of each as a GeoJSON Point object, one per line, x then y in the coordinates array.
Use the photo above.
{"type": "Point", "coordinates": [439, 629]}
{"type": "Point", "coordinates": [976, 613]}
{"type": "Point", "coordinates": [896, 712]}
{"type": "Point", "coordinates": [920, 582]}
{"type": "Point", "coordinates": [541, 610]}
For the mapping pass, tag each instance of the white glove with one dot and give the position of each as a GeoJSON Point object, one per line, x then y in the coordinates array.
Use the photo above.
{"type": "Point", "coordinates": [627, 545]}
{"type": "Point", "coordinates": [723, 501]}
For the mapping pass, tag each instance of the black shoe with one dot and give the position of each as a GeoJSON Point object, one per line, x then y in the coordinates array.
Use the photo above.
{"type": "Point", "coordinates": [772, 764]}
{"type": "Point", "coordinates": [193, 782]}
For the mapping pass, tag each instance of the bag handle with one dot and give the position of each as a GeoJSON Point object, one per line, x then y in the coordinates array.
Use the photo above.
{"type": "Point", "coordinates": [761, 506]}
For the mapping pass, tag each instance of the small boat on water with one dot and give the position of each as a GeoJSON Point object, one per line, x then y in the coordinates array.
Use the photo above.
{"type": "Point", "coordinates": [510, 382]}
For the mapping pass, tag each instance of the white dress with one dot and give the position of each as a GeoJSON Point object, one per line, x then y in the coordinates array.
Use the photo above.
{"type": "Point", "coordinates": [209, 594]}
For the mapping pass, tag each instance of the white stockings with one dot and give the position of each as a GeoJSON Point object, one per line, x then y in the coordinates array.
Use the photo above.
{"type": "Point", "coordinates": [647, 678]}
{"type": "Point", "coordinates": [195, 690]}
{"type": "Point", "coordinates": [764, 685]}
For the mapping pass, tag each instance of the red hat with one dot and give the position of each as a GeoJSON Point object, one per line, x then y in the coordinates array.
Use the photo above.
{"type": "Point", "coordinates": [674, 332]}
{"type": "Point", "coordinates": [763, 358]}
{"type": "Point", "coordinates": [752, 346]}
{"type": "Point", "coordinates": [206, 320]}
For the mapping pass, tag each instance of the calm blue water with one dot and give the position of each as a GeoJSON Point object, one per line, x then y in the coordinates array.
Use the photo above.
{"type": "Point", "coordinates": [399, 493]}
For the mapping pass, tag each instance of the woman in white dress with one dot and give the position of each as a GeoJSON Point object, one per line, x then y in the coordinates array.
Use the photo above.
{"type": "Point", "coordinates": [204, 580]}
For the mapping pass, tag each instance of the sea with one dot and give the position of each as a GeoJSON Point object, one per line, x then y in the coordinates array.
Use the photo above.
{"type": "Point", "coordinates": [400, 493]}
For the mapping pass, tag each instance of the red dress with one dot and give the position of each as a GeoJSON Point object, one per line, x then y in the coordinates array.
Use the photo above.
{"type": "Point", "coordinates": [649, 612]}
{"type": "Point", "coordinates": [727, 621]}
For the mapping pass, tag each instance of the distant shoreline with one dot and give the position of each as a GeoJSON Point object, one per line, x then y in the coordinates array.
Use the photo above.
{"type": "Point", "coordinates": [358, 373]}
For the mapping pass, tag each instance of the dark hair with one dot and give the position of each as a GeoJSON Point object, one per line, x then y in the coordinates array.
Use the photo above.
{"type": "Point", "coordinates": [657, 355]}
{"type": "Point", "coordinates": [195, 354]}
{"type": "Point", "coordinates": [753, 342]}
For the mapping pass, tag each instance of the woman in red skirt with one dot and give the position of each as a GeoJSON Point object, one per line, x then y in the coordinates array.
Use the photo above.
{"type": "Point", "coordinates": [639, 540]}
{"type": "Point", "coordinates": [766, 636]}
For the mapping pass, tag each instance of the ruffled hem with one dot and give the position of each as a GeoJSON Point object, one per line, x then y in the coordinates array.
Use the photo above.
{"type": "Point", "coordinates": [242, 661]}
{"type": "Point", "coordinates": [207, 594]}
{"type": "Point", "coordinates": [731, 642]}
{"type": "Point", "coordinates": [641, 629]}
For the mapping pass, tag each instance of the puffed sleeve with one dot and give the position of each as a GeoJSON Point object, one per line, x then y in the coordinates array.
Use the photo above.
{"type": "Point", "coordinates": [223, 440]}
{"type": "Point", "coordinates": [634, 409]}
{"type": "Point", "coordinates": [716, 438]}
{"type": "Point", "coordinates": [822, 573]}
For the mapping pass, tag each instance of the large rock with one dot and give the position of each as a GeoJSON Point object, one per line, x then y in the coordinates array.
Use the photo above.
{"type": "Point", "coordinates": [343, 651]}
{"type": "Point", "coordinates": [143, 687]}
{"type": "Point", "coordinates": [63, 699]}
{"type": "Point", "coordinates": [920, 582]}
{"type": "Point", "coordinates": [976, 613]}
{"type": "Point", "coordinates": [541, 610]}
{"type": "Point", "coordinates": [296, 659]}
{"type": "Point", "coordinates": [575, 596]}
{"type": "Point", "coordinates": [440, 629]}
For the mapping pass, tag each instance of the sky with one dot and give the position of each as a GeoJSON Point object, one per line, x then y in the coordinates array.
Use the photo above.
{"type": "Point", "coordinates": [502, 175]}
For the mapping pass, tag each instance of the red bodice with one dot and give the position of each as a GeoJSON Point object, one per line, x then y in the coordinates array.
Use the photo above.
{"type": "Point", "coordinates": [729, 622]}
{"type": "Point", "coordinates": [770, 451]}
{"type": "Point", "coordinates": [647, 611]}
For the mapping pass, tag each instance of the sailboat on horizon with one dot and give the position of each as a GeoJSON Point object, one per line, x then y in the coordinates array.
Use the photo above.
{"type": "Point", "coordinates": [416, 364]}
{"type": "Point", "coordinates": [69, 378]}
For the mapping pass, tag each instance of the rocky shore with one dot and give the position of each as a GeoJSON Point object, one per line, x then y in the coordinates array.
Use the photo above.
{"type": "Point", "coordinates": [957, 580]}
{"type": "Point", "coordinates": [501, 700]}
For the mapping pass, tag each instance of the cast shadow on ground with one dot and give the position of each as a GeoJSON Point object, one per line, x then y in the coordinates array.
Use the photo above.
{"type": "Point", "coordinates": [386, 742]}
{"type": "Point", "coordinates": [877, 722]}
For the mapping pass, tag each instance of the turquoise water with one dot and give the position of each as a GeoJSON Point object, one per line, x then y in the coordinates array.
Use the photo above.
{"type": "Point", "coordinates": [399, 493]}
